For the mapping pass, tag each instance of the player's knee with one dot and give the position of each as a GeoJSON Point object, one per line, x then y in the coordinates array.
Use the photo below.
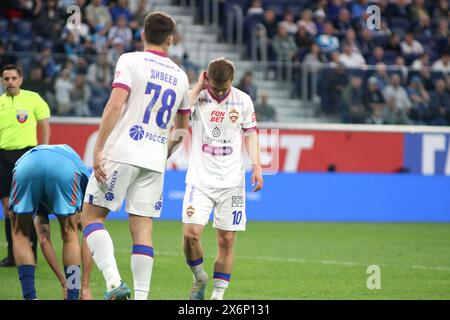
{"type": "Point", "coordinates": [226, 242]}
{"type": "Point", "coordinates": [191, 238]}
{"type": "Point", "coordinates": [69, 232]}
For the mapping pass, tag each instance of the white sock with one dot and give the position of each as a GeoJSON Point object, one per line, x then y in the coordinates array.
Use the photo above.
{"type": "Point", "coordinates": [141, 267]}
{"type": "Point", "coordinates": [197, 269]}
{"type": "Point", "coordinates": [102, 249]}
{"type": "Point", "coordinates": [219, 289]}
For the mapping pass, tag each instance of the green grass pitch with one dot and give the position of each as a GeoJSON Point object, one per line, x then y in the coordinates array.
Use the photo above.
{"type": "Point", "coordinates": [275, 260]}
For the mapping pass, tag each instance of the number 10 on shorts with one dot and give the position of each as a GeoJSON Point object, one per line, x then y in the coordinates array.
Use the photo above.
{"type": "Point", "coordinates": [237, 216]}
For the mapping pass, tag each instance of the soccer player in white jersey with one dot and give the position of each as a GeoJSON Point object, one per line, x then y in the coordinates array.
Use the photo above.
{"type": "Point", "coordinates": [148, 92]}
{"type": "Point", "coordinates": [221, 117]}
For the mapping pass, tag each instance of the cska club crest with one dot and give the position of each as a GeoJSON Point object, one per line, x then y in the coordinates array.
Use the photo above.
{"type": "Point", "coordinates": [190, 211]}
{"type": "Point", "coordinates": [234, 115]}
{"type": "Point", "coordinates": [22, 115]}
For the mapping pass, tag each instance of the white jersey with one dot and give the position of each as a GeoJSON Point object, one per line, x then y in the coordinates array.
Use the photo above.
{"type": "Point", "coordinates": [157, 91]}
{"type": "Point", "coordinates": [217, 158]}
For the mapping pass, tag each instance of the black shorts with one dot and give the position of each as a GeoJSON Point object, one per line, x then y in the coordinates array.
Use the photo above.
{"type": "Point", "coordinates": [8, 160]}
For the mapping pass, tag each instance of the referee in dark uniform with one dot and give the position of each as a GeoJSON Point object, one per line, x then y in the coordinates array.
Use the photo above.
{"type": "Point", "coordinates": [21, 113]}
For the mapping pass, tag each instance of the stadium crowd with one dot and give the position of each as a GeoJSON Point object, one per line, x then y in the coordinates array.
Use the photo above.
{"type": "Point", "coordinates": [73, 69]}
{"type": "Point", "coordinates": [398, 74]}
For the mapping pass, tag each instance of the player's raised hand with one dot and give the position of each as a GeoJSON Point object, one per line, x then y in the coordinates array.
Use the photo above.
{"type": "Point", "coordinates": [257, 180]}
{"type": "Point", "coordinates": [202, 80]}
{"type": "Point", "coordinates": [99, 171]}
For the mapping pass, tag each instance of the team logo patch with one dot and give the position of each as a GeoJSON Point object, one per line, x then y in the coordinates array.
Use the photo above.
{"type": "Point", "coordinates": [190, 211]}
{"type": "Point", "coordinates": [234, 115]}
{"type": "Point", "coordinates": [136, 132]}
{"type": "Point", "coordinates": [158, 204]}
{"type": "Point", "coordinates": [22, 115]}
{"type": "Point", "coordinates": [216, 132]}
{"type": "Point", "coordinates": [109, 196]}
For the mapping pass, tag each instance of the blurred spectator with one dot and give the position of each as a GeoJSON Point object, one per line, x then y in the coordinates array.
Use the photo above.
{"type": "Point", "coordinates": [411, 46]}
{"type": "Point", "coordinates": [396, 92]}
{"type": "Point", "coordinates": [442, 64]}
{"type": "Point", "coordinates": [394, 115]}
{"type": "Point", "coordinates": [140, 14]}
{"type": "Point", "coordinates": [440, 104]}
{"type": "Point", "coordinates": [49, 22]}
{"type": "Point", "coordinates": [373, 99]}
{"type": "Point", "coordinates": [314, 58]}
{"type": "Point", "coordinates": [351, 59]}
{"type": "Point", "coordinates": [270, 23]}
{"type": "Point", "coordinates": [327, 41]}
{"type": "Point", "coordinates": [284, 46]}
{"type": "Point", "coordinates": [6, 58]}
{"type": "Point", "coordinates": [319, 19]}
{"type": "Point", "coordinates": [246, 85]}
{"type": "Point", "coordinates": [337, 80]}
{"type": "Point", "coordinates": [399, 65]}
{"type": "Point", "coordinates": [420, 100]}
{"type": "Point", "coordinates": [418, 10]}
{"type": "Point", "coordinates": [303, 39]}
{"type": "Point", "coordinates": [99, 40]}
{"type": "Point", "coordinates": [114, 53]}
{"type": "Point", "coordinates": [255, 8]}
{"type": "Point", "coordinates": [381, 75]}
{"type": "Point", "coordinates": [79, 97]}
{"type": "Point", "coordinates": [422, 62]}
{"type": "Point", "coordinates": [100, 78]}
{"type": "Point", "coordinates": [35, 82]}
{"type": "Point", "coordinates": [366, 42]}
{"type": "Point", "coordinates": [47, 62]}
{"type": "Point", "coordinates": [307, 23]}
{"type": "Point", "coordinates": [358, 8]}
{"type": "Point", "coordinates": [394, 44]}
{"type": "Point", "coordinates": [333, 60]}
{"type": "Point", "coordinates": [98, 17]}
{"type": "Point", "coordinates": [376, 117]}
{"type": "Point", "coordinates": [441, 11]}
{"type": "Point", "coordinates": [63, 87]}
{"type": "Point", "coordinates": [72, 47]}
{"type": "Point", "coordinates": [354, 110]}
{"type": "Point", "coordinates": [377, 56]}
{"type": "Point", "coordinates": [264, 111]}
{"type": "Point", "coordinates": [177, 49]}
{"type": "Point", "coordinates": [350, 38]}
{"type": "Point", "coordinates": [122, 31]}
{"type": "Point", "coordinates": [289, 24]}
{"type": "Point", "coordinates": [121, 9]}
{"type": "Point", "coordinates": [343, 22]}
{"type": "Point", "coordinates": [333, 7]}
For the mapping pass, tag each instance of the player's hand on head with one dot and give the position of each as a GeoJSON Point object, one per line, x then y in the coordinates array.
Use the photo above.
{"type": "Point", "coordinates": [202, 80]}
{"type": "Point", "coordinates": [99, 171]}
{"type": "Point", "coordinates": [257, 180]}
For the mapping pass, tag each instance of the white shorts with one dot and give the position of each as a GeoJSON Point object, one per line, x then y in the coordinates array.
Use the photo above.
{"type": "Point", "coordinates": [141, 187]}
{"type": "Point", "coordinates": [228, 205]}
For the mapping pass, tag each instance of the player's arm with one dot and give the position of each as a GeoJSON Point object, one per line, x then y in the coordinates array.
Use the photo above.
{"type": "Point", "coordinates": [110, 116]}
{"type": "Point", "coordinates": [44, 128]}
{"type": "Point", "coordinates": [178, 132]}
{"type": "Point", "coordinates": [252, 145]}
{"type": "Point", "coordinates": [201, 85]}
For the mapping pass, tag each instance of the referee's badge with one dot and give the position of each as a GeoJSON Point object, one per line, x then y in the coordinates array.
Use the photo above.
{"type": "Point", "coordinates": [22, 115]}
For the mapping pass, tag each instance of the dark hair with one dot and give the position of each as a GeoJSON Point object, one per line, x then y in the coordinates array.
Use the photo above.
{"type": "Point", "coordinates": [221, 70]}
{"type": "Point", "coordinates": [158, 26]}
{"type": "Point", "coordinates": [11, 67]}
